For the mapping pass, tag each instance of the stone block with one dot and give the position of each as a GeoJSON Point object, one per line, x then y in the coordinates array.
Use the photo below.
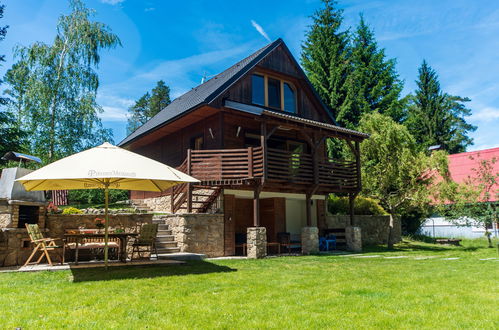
{"type": "Point", "coordinates": [353, 237]}
{"type": "Point", "coordinates": [309, 240]}
{"type": "Point", "coordinates": [257, 242]}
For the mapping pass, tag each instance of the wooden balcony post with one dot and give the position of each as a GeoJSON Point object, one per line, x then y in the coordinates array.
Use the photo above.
{"type": "Point", "coordinates": [263, 142]}
{"type": "Point", "coordinates": [357, 162]}
{"type": "Point", "coordinates": [250, 162]}
{"type": "Point", "coordinates": [351, 199]}
{"type": "Point", "coordinates": [189, 187]}
{"type": "Point", "coordinates": [256, 205]}
{"type": "Point", "coordinates": [308, 199]}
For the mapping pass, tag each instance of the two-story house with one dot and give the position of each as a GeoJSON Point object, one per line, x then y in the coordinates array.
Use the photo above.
{"type": "Point", "coordinates": [255, 136]}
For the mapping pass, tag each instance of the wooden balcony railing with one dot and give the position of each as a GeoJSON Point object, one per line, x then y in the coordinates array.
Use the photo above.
{"type": "Point", "coordinates": [300, 168]}
{"type": "Point", "coordinates": [283, 166]}
{"type": "Point", "coordinates": [226, 164]}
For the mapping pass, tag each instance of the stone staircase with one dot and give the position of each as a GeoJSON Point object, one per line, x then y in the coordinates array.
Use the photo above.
{"type": "Point", "coordinates": [165, 241]}
{"type": "Point", "coordinates": [140, 206]}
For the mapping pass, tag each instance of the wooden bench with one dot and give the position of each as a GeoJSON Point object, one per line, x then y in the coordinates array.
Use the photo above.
{"type": "Point", "coordinates": [449, 241]}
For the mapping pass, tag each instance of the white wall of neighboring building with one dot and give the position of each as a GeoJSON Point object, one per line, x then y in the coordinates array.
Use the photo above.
{"type": "Point", "coordinates": [440, 227]}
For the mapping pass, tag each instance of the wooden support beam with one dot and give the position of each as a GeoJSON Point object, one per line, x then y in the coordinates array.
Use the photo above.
{"type": "Point", "coordinates": [189, 186]}
{"type": "Point", "coordinates": [272, 131]}
{"type": "Point", "coordinates": [263, 142]}
{"type": "Point", "coordinates": [308, 200]}
{"type": "Point", "coordinates": [357, 162]}
{"type": "Point", "coordinates": [256, 205]}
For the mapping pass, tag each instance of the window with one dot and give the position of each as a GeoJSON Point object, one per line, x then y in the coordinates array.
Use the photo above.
{"type": "Point", "coordinates": [289, 98]}
{"type": "Point", "coordinates": [258, 89]}
{"type": "Point", "coordinates": [273, 93]}
{"type": "Point", "coordinates": [197, 143]}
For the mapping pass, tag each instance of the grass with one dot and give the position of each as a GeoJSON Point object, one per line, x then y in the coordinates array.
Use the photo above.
{"type": "Point", "coordinates": [287, 292]}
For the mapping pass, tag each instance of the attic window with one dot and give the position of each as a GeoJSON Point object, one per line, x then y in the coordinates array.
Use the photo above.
{"type": "Point", "coordinates": [273, 93]}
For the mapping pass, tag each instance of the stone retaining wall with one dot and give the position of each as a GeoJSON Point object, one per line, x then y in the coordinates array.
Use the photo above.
{"type": "Point", "coordinates": [14, 242]}
{"type": "Point", "coordinates": [58, 223]}
{"type": "Point", "coordinates": [374, 228]}
{"type": "Point", "coordinates": [198, 232]}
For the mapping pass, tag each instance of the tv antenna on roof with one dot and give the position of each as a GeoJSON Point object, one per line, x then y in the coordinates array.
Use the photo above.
{"type": "Point", "coordinates": [205, 77]}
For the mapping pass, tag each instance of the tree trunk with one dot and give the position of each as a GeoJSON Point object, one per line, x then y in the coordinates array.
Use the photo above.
{"type": "Point", "coordinates": [488, 234]}
{"type": "Point", "coordinates": [390, 233]}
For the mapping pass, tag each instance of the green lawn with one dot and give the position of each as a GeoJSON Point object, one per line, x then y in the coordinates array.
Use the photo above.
{"type": "Point", "coordinates": [286, 292]}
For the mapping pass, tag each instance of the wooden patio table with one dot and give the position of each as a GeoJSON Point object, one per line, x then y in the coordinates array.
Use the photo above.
{"type": "Point", "coordinates": [123, 237]}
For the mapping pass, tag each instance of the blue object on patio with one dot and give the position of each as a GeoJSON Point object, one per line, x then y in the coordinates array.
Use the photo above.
{"type": "Point", "coordinates": [326, 242]}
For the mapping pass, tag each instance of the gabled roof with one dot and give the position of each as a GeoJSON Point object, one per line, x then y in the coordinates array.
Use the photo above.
{"type": "Point", "coordinates": [202, 94]}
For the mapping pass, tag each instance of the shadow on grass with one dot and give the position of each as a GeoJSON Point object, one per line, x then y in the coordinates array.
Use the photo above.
{"type": "Point", "coordinates": [149, 271]}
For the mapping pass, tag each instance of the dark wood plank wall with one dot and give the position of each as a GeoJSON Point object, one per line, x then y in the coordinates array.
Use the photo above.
{"type": "Point", "coordinates": [172, 149]}
{"type": "Point", "coordinates": [229, 225]}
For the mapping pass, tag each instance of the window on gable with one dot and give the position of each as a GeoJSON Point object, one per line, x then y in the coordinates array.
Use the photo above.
{"type": "Point", "coordinates": [273, 93]}
{"type": "Point", "coordinates": [258, 89]}
{"type": "Point", "coordinates": [289, 98]}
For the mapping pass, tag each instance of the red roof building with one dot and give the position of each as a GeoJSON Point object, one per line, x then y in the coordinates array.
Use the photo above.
{"type": "Point", "coordinates": [464, 165]}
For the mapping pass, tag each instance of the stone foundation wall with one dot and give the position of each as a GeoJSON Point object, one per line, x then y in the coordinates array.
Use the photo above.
{"type": "Point", "coordinates": [374, 228]}
{"type": "Point", "coordinates": [198, 232]}
{"type": "Point", "coordinates": [158, 204]}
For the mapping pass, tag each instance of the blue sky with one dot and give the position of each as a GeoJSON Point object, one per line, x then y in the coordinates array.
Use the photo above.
{"type": "Point", "coordinates": [179, 41]}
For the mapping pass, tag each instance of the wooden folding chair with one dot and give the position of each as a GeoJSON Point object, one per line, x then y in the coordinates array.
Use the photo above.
{"type": "Point", "coordinates": [147, 239]}
{"type": "Point", "coordinates": [42, 244]}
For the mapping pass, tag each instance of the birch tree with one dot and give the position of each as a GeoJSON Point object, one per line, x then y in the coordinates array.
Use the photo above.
{"type": "Point", "coordinates": [59, 108]}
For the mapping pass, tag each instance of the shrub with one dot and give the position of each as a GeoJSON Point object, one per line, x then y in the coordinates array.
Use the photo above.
{"type": "Point", "coordinates": [96, 196]}
{"type": "Point", "coordinates": [72, 210]}
{"type": "Point", "coordinates": [362, 206]}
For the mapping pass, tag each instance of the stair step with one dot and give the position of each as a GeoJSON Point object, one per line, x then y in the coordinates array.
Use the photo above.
{"type": "Point", "coordinates": [164, 232]}
{"type": "Point", "coordinates": [163, 226]}
{"type": "Point", "coordinates": [161, 245]}
{"type": "Point", "coordinates": [168, 250]}
{"type": "Point", "coordinates": [158, 221]}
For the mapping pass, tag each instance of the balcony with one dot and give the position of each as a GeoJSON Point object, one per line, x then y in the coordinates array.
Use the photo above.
{"type": "Point", "coordinates": [238, 166]}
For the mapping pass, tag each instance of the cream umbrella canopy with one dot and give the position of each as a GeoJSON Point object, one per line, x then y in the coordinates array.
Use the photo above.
{"type": "Point", "coordinates": [105, 167]}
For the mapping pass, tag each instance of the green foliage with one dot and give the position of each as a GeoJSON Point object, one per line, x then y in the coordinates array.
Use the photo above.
{"type": "Point", "coordinates": [11, 137]}
{"type": "Point", "coordinates": [72, 210]}
{"type": "Point", "coordinates": [96, 196]}
{"type": "Point", "coordinates": [393, 170]}
{"type": "Point", "coordinates": [59, 84]}
{"type": "Point", "coordinates": [148, 105]}
{"type": "Point", "coordinates": [362, 206]}
{"type": "Point", "coordinates": [372, 83]}
{"type": "Point", "coordinates": [325, 54]}
{"type": "Point", "coordinates": [437, 118]}
{"type": "Point", "coordinates": [3, 32]}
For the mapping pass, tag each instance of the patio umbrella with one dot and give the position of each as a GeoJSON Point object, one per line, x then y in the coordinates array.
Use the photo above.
{"type": "Point", "coordinates": [105, 167]}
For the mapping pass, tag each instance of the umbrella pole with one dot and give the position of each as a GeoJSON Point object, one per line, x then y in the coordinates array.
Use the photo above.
{"type": "Point", "coordinates": [106, 224]}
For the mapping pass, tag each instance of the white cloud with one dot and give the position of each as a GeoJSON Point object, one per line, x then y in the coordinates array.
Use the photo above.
{"type": "Point", "coordinates": [149, 9]}
{"type": "Point", "coordinates": [260, 30]}
{"type": "Point", "coordinates": [488, 113]}
{"type": "Point", "coordinates": [113, 114]}
{"type": "Point", "coordinates": [112, 2]}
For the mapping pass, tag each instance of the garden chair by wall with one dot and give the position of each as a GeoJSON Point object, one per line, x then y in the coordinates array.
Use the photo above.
{"type": "Point", "coordinates": [146, 239]}
{"type": "Point", "coordinates": [326, 242]}
{"type": "Point", "coordinates": [44, 245]}
{"type": "Point", "coordinates": [285, 240]}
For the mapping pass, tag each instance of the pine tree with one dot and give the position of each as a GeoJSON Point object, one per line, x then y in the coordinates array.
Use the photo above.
{"type": "Point", "coordinates": [373, 83]}
{"type": "Point", "coordinates": [138, 113]}
{"type": "Point", "coordinates": [437, 118]}
{"type": "Point", "coordinates": [147, 106]}
{"type": "Point", "coordinates": [325, 54]}
{"type": "Point", "coordinates": [160, 98]}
